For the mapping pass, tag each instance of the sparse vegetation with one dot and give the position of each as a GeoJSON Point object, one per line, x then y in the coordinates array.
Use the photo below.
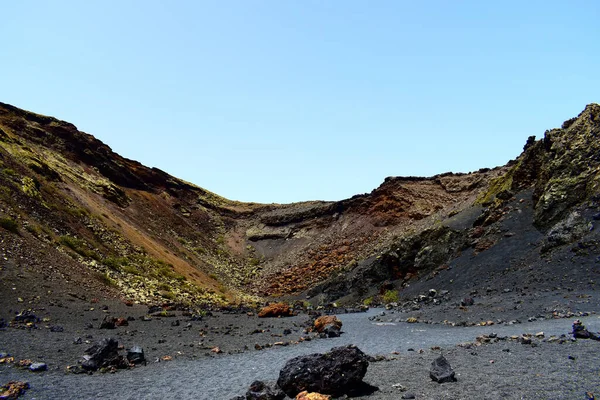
{"type": "Point", "coordinates": [30, 187]}
{"type": "Point", "coordinates": [9, 224]}
{"type": "Point", "coordinates": [9, 172]}
{"type": "Point", "coordinates": [78, 246]}
{"type": "Point", "coordinates": [168, 295]}
{"type": "Point", "coordinates": [106, 279]}
{"type": "Point", "coordinates": [115, 263]}
{"type": "Point", "coordinates": [368, 301]}
{"type": "Point", "coordinates": [130, 269]}
{"type": "Point", "coordinates": [390, 296]}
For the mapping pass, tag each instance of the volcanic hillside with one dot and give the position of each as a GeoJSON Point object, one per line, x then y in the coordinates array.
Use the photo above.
{"type": "Point", "coordinates": [74, 214]}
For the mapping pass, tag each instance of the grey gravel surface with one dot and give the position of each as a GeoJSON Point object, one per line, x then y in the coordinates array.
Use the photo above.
{"type": "Point", "coordinates": [506, 369]}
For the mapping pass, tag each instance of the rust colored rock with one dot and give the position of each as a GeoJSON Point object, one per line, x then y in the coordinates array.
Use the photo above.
{"type": "Point", "coordinates": [312, 396]}
{"type": "Point", "coordinates": [121, 322]}
{"type": "Point", "coordinates": [276, 310]}
{"type": "Point", "coordinates": [325, 321]}
{"type": "Point", "coordinates": [13, 389]}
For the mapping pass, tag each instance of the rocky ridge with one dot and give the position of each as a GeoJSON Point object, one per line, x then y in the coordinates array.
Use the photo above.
{"type": "Point", "coordinates": [72, 210]}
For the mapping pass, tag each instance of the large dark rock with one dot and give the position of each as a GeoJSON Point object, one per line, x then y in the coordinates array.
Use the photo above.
{"type": "Point", "coordinates": [262, 391]}
{"type": "Point", "coordinates": [104, 354]}
{"type": "Point", "coordinates": [336, 373]}
{"type": "Point", "coordinates": [441, 371]}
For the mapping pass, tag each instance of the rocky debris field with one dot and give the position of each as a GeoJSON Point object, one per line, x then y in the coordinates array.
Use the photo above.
{"type": "Point", "coordinates": [169, 342]}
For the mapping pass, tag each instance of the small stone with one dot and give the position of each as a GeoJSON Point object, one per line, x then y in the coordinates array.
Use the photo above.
{"type": "Point", "coordinates": [525, 340]}
{"type": "Point", "coordinates": [13, 389]}
{"type": "Point", "coordinates": [262, 391]}
{"type": "Point", "coordinates": [38, 367]}
{"type": "Point", "coordinates": [108, 323]}
{"type": "Point", "coordinates": [135, 355]}
{"type": "Point", "coordinates": [467, 301]}
{"type": "Point", "coordinates": [441, 371]}
{"type": "Point", "coordinates": [311, 396]}
{"type": "Point", "coordinates": [400, 387]}
{"type": "Point", "coordinates": [409, 396]}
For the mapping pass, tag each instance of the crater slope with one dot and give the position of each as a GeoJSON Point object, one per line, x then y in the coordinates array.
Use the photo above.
{"type": "Point", "coordinates": [77, 217]}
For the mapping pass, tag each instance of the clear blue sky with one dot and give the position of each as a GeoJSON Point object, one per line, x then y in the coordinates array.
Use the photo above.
{"type": "Point", "coordinates": [281, 101]}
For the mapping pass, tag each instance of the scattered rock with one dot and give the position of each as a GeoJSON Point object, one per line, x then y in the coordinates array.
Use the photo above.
{"type": "Point", "coordinates": [13, 390]}
{"type": "Point", "coordinates": [579, 331]}
{"type": "Point", "coordinates": [409, 396]}
{"type": "Point", "coordinates": [441, 371]}
{"type": "Point", "coordinates": [262, 391]}
{"type": "Point", "coordinates": [135, 355]}
{"type": "Point", "coordinates": [467, 301]}
{"type": "Point", "coordinates": [6, 358]}
{"type": "Point", "coordinates": [108, 323]}
{"type": "Point", "coordinates": [38, 367]}
{"type": "Point", "coordinates": [400, 387]}
{"type": "Point", "coordinates": [104, 354]}
{"type": "Point", "coordinates": [312, 396]}
{"type": "Point", "coordinates": [276, 310]}
{"type": "Point", "coordinates": [328, 326]}
{"type": "Point", "coordinates": [338, 372]}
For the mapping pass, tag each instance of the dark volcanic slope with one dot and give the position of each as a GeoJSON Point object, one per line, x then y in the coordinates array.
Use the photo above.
{"type": "Point", "coordinates": [74, 209]}
{"type": "Point", "coordinates": [528, 246]}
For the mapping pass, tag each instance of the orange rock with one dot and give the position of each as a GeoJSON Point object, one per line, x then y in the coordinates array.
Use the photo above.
{"type": "Point", "coordinates": [324, 321]}
{"type": "Point", "coordinates": [121, 322]}
{"type": "Point", "coordinates": [13, 389]}
{"type": "Point", "coordinates": [312, 396]}
{"type": "Point", "coordinates": [25, 363]}
{"type": "Point", "coordinates": [276, 310]}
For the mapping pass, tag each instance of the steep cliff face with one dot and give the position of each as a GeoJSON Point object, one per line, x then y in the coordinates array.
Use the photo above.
{"type": "Point", "coordinates": [148, 236]}
{"type": "Point", "coordinates": [563, 168]}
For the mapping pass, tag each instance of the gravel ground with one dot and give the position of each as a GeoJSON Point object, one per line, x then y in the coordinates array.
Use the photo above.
{"type": "Point", "coordinates": [506, 369]}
